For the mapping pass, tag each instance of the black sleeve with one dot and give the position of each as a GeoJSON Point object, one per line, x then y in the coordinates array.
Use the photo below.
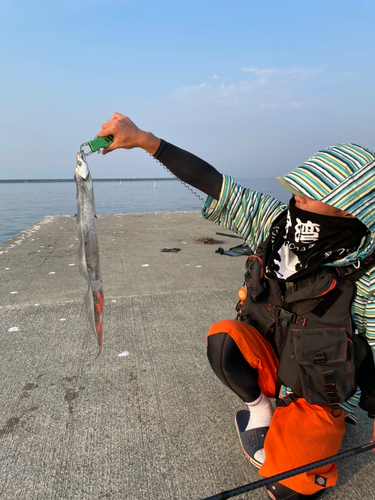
{"type": "Point", "coordinates": [190, 169]}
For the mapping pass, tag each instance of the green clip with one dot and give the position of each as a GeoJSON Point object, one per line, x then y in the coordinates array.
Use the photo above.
{"type": "Point", "coordinates": [100, 142]}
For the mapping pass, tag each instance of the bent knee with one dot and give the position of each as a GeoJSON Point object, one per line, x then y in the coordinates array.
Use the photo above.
{"type": "Point", "coordinates": [220, 347]}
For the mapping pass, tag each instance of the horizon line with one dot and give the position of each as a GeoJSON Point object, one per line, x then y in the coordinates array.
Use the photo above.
{"type": "Point", "coordinates": [109, 179]}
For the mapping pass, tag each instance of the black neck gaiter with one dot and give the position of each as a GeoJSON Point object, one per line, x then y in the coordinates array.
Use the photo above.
{"type": "Point", "coordinates": [306, 240]}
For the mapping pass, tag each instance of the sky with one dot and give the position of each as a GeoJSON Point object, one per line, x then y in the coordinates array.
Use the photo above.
{"type": "Point", "coordinates": [253, 87]}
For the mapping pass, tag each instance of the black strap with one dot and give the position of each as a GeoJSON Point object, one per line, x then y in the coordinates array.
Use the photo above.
{"type": "Point", "coordinates": [331, 391]}
{"type": "Point", "coordinates": [351, 273]}
{"type": "Point", "coordinates": [285, 401]}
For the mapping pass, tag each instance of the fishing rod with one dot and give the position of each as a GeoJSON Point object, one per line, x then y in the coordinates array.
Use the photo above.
{"type": "Point", "coordinates": [230, 235]}
{"type": "Point", "coordinates": [289, 473]}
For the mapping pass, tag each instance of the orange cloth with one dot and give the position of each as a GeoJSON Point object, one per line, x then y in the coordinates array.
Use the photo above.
{"type": "Point", "coordinates": [299, 433]}
{"type": "Point", "coordinates": [256, 350]}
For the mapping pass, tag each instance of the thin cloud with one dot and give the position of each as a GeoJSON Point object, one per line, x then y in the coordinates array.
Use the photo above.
{"type": "Point", "coordinates": [298, 74]}
{"type": "Point", "coordinates": [270, 89]}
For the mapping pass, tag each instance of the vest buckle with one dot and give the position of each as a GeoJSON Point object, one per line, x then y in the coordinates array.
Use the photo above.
{"type": "Point", "coordinates": [283, 314]}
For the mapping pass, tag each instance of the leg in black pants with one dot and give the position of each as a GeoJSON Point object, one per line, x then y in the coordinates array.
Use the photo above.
{"type": "Point", "coordinates": [231, 367]}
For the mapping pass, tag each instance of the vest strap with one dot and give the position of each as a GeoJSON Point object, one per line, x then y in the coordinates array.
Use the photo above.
{"type": "Point", "coordinates": [331, 391]}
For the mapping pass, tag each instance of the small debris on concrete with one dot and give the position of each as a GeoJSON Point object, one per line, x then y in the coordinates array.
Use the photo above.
{"type": "Point", "coordinates": [169, 250]}
{"type": "Point", "coordinates": [207, 240]}
{"type": "Point", "coordinates": [123, 354]}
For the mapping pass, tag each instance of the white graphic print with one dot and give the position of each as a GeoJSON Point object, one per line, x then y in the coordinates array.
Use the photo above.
{"type": "Point", "coordinates": [288, 223]}
{"type": "Point", "coordinates": [306, 232]}
{"type": "Point", "coordinates": [287, 264]}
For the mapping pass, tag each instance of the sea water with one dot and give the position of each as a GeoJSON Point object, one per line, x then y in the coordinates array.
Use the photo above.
{"type": "Point", "coordinates": [24, 203]}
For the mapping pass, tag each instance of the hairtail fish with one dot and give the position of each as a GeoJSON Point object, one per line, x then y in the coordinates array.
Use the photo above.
{"type": "Point", "coordinates": [88, 253]}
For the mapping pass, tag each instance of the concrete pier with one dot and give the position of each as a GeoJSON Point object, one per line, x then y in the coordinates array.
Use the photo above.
{"type": "Point", "coordinates": [148, 419]}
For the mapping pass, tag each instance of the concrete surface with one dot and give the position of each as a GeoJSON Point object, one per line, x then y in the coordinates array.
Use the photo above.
{"type": "Point", "coordinates": [153, 423]}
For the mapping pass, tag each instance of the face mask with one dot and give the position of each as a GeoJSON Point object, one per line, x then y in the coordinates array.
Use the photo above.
{"type": "Point", "coordinates": [309, 239]}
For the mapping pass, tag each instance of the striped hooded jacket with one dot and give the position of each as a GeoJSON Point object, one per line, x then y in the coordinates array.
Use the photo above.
{"type": "Point", "coordinates": [341, 176]}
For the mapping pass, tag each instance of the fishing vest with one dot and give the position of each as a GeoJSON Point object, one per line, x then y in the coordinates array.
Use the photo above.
{"type": "Point", "coordinates": [310, 328]}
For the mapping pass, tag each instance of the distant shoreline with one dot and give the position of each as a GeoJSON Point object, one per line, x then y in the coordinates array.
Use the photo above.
{"type": "Point", "coordinates": [132, 179]}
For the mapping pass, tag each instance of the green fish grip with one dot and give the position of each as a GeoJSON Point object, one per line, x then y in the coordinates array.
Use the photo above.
{"type": "Point", "coordinates": [100, 142]}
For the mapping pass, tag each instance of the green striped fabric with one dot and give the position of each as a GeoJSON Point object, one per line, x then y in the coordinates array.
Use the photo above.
{"type": "Point", "coordinates": [243, 211]}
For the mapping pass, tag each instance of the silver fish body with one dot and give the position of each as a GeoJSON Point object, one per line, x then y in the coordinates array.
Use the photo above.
{"type": "Point", "coordinates": [88, 253]}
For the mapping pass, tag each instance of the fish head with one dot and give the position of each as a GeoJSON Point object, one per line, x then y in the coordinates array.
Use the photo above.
{"type": "Point", "coordinates": [82, 168]}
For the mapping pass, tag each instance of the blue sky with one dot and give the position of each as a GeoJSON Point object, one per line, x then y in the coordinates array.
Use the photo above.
{"type": "Point", "coordinates": [253, 87]}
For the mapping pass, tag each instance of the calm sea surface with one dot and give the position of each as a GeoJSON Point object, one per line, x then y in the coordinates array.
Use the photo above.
{"type": "Point", "coordinates": [24, 203]}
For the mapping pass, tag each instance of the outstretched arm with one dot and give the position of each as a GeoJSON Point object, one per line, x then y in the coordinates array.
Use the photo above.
{"type": "Point", "coordinates": [184, 165]}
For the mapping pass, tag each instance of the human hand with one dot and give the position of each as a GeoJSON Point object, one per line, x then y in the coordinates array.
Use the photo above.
{"type": "Point", "coordinates": [127, 135]}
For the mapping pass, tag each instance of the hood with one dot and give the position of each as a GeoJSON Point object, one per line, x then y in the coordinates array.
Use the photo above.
{"type": "Point", "coordinates": [342, 176]}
